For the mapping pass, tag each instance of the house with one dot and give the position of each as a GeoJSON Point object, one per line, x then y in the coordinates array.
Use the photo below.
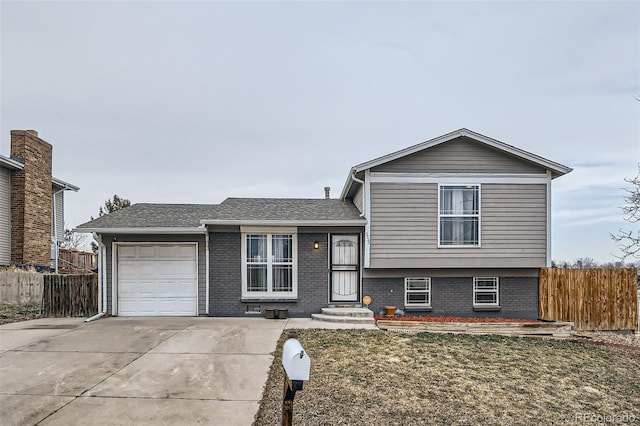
{"type": "Point", "coordinates": [456, 225]}
{"type": "Point", "coordinates": [31, 203]}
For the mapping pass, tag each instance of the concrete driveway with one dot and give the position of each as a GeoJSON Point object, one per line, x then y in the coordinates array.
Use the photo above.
{"type": "Point", "coordinates": [127, 371]}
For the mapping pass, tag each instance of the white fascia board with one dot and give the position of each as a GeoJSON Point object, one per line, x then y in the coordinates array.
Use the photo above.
{"type": "Point", "coordinates": [173, 230]}
{"type": "Point", "coordinates": [351, 222]}
{"type": "Point", "coordinates": [11, 163]}
{"type": "Point", "coordinates": [543, 162]}
{"type": "Point", "coordinates": [65, 185]}
{"type": "Point", "coordinates": [347, 185]}
{"type": "Point", "coordinates": [459, 178]}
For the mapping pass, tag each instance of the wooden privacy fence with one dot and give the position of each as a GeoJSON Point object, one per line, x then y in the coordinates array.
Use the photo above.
{"type": "Point", "coordinates": [593, 299]}
{"type": "Point", "coordinates": [70, 295]}
{"type": "Point", "coordinates": [72, 261]}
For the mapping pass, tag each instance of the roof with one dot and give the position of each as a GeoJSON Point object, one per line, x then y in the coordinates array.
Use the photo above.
{"type": "Point", "coordinates": [556, 169]}
{"type": "Point", "coordinates": [181, 218]}
{"type": "Point", "coordinates": [303, 211]}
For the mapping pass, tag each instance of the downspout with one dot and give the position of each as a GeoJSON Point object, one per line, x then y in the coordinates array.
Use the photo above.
{"type": "Point", "coordinates": [206, 272]}
{"type": "Point", "coordinates": [102, 279]}
{"type": "Point", "coordinates": [361, 182]}
{"type": "Point", "coordinates": [54, 237]}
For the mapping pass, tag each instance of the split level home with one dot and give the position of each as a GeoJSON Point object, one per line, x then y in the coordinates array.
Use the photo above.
{"type": "Point", "coordinates": [456, 225]}
{"type": "Point", "coordinates": [31, 203]}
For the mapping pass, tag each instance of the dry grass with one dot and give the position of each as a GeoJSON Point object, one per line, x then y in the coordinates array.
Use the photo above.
{"type": "Point", "coordinates": [10, 312]}
{"type": "Point", "coordinates": [377, 378]}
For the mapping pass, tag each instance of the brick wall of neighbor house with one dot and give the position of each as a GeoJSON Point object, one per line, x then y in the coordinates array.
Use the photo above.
{"type": "Point", "coordinates": [226, 276]}
{"type": "Point", "coordinates": [31, 200]}
{"type": "Point", "coordinates": [454, 296]}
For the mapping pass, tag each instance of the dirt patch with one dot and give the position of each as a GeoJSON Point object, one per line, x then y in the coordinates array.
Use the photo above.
{"type": "Point", "coordinates": [15, 313]}
{"type": "Point", "coordinates": [371, 377]}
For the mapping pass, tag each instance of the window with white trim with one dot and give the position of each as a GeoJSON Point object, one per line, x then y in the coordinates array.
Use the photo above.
{"type": "Point", "coordinates": [459, 215]}
{"type": "Point", "coordinates": [269, 265]}
{"type": "Point", "coordinates": [417, 292]}
{"type": "Point", "coordinates": [486, 291]}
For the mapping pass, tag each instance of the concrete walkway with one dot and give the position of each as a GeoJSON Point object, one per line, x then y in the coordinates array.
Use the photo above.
{"type": "Point", "coordinates": [123, 371]}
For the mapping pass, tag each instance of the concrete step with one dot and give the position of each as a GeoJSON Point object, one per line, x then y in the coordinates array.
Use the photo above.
{"type": "Point", "coordinates": [348, 312]}
{"type": "Point", "coordinates": [343, 319]}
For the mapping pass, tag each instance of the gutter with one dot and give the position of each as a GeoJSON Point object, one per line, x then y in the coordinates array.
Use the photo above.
{"type": "Point", "coordinates": [142, 230]}
{"type": "Point", "coordinates": [258, 222]}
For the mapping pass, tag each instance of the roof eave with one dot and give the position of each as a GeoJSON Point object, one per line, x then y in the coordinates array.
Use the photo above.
{"type": "Point", "coordinates": [65, 186]}
{"type": "Point", "coordinates": [143, 230]}
{"type": "Point", "coordinates": [557, 168]}
{"type": "Point", "coordinates": [10, 163]}
{"type": "Point", "coordinates": [261, 222]}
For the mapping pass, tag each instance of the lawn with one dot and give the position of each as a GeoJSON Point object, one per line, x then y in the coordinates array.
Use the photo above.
{"type": "Point", "coordinates": [383, 378]}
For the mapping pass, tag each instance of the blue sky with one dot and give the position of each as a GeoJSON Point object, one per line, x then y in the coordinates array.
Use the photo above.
{"type": "Point", "coordinates": [192, 102]}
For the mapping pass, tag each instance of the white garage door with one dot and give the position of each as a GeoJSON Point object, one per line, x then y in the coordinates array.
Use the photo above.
{"type": "Point", "coordinates": [158, 279]}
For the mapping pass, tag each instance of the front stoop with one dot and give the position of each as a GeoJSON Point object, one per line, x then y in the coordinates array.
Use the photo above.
{"type": "Point", "coordinates": [345, 315]}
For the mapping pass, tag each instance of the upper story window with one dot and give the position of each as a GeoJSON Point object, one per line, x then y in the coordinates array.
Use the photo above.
{"type": "Point", "coordinates": [459, 215]}
{"type": "Point", "coordinates": [269, 265]}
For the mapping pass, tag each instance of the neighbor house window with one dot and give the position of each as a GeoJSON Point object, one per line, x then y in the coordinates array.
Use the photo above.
{"type": "Point", "coordinates": [485, 292]}
{"type": "Point", "coordinates": [417, 292]}
{"type": "Point", "coordinates": [269, 266]}
{"type": "Point", "coordinates": [459, 215]}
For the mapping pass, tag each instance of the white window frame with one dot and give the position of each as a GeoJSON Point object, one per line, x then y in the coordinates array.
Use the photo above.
{"type": "Point", "coordinates": [478, 215]}
{"type": "Point", "coordinates": [270, 294]}
{"type": "Point", "coordinates": [407, 291]}
{"type": "Point", "coordinates": [477, 291]}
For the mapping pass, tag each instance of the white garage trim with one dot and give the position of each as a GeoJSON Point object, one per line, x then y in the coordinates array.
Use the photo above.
{"type": "Point", "coordinates": [191, 292]}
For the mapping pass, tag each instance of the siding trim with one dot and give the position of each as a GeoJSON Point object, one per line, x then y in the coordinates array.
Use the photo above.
{"type": "Point", "coordinates": [460, 178]}
{"type": "Point", "coordinates": [367, 214]}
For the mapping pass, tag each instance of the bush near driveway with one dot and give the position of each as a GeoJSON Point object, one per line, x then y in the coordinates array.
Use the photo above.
{"type": "Point", "coordinates": [380, 378]}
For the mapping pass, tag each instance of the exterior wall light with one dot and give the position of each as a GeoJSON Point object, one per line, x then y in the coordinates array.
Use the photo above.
{"type": "Point", "coordinates": [316, 245]}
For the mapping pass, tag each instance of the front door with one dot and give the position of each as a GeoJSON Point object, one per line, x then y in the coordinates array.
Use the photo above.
{"type": "Point", "coordinates": [345, 268]}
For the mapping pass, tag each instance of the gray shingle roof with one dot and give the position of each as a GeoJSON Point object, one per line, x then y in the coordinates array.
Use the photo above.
{"type": "Point", "coordinates": [153, 216]}
{"type": "Point", "coordinates": [284, 209]}
{"type": "Point", "coordinates": [230, 210]}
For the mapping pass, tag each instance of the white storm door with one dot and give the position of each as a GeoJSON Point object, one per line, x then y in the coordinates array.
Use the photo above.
{"type": "Point", "coordinates": [345, 268]}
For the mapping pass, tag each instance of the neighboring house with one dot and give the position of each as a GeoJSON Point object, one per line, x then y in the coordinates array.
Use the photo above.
{"type": "Point", "coordinates": [456, 225]}
{"type": "Point", "coordinates": [31, 203]}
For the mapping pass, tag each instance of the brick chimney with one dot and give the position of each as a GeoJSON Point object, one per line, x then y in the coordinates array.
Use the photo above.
{"type": "Point", "coordinates": [31, 200]}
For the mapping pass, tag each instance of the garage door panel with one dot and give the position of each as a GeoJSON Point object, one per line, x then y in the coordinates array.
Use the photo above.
{"type": "Point", "coordinates": [159, 279]}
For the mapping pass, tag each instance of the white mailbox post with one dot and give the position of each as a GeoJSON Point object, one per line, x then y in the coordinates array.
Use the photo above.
{"type": "Point", "coordinates": [297, 365]}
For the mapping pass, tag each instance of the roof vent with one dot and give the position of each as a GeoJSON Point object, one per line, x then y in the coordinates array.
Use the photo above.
{"type": "Point", "coordinates": [327, 190]}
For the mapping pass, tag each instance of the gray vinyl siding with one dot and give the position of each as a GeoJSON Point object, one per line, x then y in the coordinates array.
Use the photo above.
{"type": "Point", "coordinates": [358, 199]}
{"type": "Point", "coordinates": [5, 216]}
{"type": "Point", "coordinates": [58, 204]}
{"type": "Point", "coordinates": [456, 156]}
{"type": "Point", "coordinates": [404, 228]}
{"type": "Point", "coordinates": [200, 239]}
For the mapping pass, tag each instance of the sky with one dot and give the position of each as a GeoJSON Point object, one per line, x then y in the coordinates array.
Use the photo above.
{"type": "Point", "coordinates": [194, 102]}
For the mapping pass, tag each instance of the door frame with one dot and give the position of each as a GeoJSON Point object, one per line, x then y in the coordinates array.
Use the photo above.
{"type": "Point", "coordinates": [358, 235]}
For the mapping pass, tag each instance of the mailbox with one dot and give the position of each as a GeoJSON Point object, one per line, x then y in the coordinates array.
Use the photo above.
{"type": "Point", "coordinates": [295, 360]}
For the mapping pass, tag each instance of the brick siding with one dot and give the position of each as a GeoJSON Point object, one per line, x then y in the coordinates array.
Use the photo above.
{"type": "Point", "coordinates": [454, 296]}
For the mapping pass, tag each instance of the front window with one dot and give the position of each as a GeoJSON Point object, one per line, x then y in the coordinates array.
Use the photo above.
{"type": "Point", "coordinates": [459, 215]}
{"type": "Point", "coordinates": [417, 292]}
{"type": "Point", "coordinates": [485, 291]}
{"type": "Point", "coordinates": [268, 265]}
